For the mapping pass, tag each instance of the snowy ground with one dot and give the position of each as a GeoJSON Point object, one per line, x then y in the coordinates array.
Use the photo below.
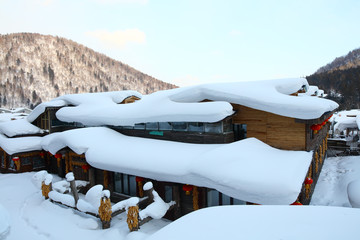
{"type": "Point", "coordinates": [24, 214]}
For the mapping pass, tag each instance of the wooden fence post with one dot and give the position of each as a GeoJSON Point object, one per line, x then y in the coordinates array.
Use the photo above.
{"type": "Point", "coordinates": [45, 189]}
{"type": "Point", "coordinates": [71, 179]}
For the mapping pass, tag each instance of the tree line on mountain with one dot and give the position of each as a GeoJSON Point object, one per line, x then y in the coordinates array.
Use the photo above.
{"type": "Point", "coordinates": [342, 86]}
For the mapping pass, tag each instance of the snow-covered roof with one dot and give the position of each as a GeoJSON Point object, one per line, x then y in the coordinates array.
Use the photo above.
{"type": "Point", "coordinates": [88, 100]}
{"type": "Point", "coordinates": [18, 127]}
{"type": "Point", "coordinates": [184, 104]}
{"type": "Point", "coordinates": [264, 222]}
{"type": "Point", "coordinates": [20, 145]}
{"type": "Point", "coordinates": [346, 119]}
{"type": "Point", "coordinates": [249, 169]}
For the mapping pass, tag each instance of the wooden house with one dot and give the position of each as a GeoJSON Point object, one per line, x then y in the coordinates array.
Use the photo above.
{"type": "Point", "coordinates": [204, 118]}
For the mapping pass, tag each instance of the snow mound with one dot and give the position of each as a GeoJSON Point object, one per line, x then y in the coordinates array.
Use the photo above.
{"type": "Point", "coordinates": [353, 191]}
{"type": "Point", "coordinates": [157, 209]}
{"type": "Point", "coordinates": [264, 222]}
{"type": "Point", "coordinates": [4, 222]}
{"type": "Point", "coordinates": [94, 195]}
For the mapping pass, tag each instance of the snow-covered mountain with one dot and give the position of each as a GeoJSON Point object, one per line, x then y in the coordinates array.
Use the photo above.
{"type": "Point", "coordinates": [35, 68]}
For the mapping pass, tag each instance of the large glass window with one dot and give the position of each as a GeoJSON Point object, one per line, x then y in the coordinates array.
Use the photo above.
{"type": "Point", "coordinates": [212, 198]}
{"type": "Point", "coordinates": [179, 126]}
{"type": "Point", "coordinates": [213, 127]}
{"type": "Point", "coordinates": [165, 126]}
{"type": "Point", "coordinates": [139, 126]}
{"type": "Point", "coordinates": [215, 198]}
{"type": "Point", "coordinates": [152, 126]}
{"type": "Point", "coordinates": [196, 127]}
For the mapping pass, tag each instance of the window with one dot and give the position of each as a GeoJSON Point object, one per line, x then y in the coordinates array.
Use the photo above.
{"type": "Point", "coordinates": [25, 161]}
{"type": "Point", "coordinates": [215, 198]}
{"type": "Point", "coordinates": [152, 126]}
{"type": "Point", "coordinates": [179, 126]}
{"type": "Point", "coordinates": [165, 126]}
{"type": "Point", "coordinates": [139, 126]}
{"type": "Point", "coordinates": [2, 160]}
{"type": "Point", "coordinates": [212, 198]}
{"type": "Point", "coordinates": [196, 127]}
{"type": "Point", "coordinates": [125, 184]}
{"type": "Point", "coordinates": [240, 131]}
{"type": "Point", "coordinates": [213, 127]}
{"type": "Point", "coordinates": [38, 162]}
{"type": "Point", "coordinates": [168, 193]}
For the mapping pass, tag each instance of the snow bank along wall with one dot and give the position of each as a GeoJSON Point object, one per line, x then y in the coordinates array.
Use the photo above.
{"type": "Point", "coordinates": [286, 124]}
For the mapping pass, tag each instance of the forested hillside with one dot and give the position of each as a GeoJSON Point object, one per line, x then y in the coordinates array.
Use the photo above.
{"type": "Point", "coordinates": [36, 68]}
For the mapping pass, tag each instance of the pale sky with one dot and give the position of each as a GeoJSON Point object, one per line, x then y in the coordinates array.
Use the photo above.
{"type": "Point", "coordinates": [199, 41]}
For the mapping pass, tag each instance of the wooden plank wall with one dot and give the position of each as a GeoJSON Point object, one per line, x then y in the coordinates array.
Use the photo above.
{"type": "Point", "coordinates": [275, 130]}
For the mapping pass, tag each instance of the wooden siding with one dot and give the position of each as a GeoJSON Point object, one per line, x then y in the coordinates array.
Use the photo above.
{"type": "Point", "coordinates": [275, 130]}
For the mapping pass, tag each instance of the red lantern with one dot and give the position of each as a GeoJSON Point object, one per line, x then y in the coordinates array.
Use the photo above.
{"type": "Point", "coordinates": [85, 167]}
{"type": "Point", "coordinates": [139, 179]}
{"type": "Point", "coordinates": [42, 154]}
{"type": "Point", "coordinates": [309, 181]}
{"type": "Point", "coordinates": [187, 188]}
{"type": "Point", "coordinates": [315, 127]}
{"type": "Point", "coordinates": [15, 159]}
{"type": "Point", "coordinates": [58, 155]}
{"type": "Point", "coordinates": [296, 203]}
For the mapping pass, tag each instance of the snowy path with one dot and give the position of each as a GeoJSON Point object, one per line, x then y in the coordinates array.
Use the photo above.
{"type": "Point", "coordinates": [336, 174]}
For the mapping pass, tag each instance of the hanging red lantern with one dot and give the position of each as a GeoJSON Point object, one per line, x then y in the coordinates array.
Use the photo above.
{"type": "Point", "coordinates": [139, 179]}
{"type": "Point", "coordinates": [15, 159]}
{"type": "Point", "coordinates": [187, 188]}
{"type": "Point", "coordinates": [42, 154]}
{"type": "Point", "coordinates": [296, 203]}
{"type": "Point", "coordinates": [315, 127]}
{"type": "Point", "coordinates": [308, 181]}
{"type": "Point", "coordinates": [85, 167]}
{"type": "Point", "coordinates": [58, 155]}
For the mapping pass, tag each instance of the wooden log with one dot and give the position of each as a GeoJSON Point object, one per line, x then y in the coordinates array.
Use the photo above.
{"type": "Point", "coordinates": [92, 177]}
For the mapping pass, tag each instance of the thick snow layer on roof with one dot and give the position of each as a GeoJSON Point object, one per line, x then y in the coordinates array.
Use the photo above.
{"type": "Point", "coordinates": [84, 99]}
{"type": "Point", "coordinates": [19, 145]}
{"type": "Point", "coordinates": [18, 127]}
{"type": "Point", "coordinates": [156, 107]}
{"type": "Point", "coordinates": [270, 96]}
{"type": "Point", "coordinates": [346, 119]}
{"type": "Point", "coordinates": [264, 222]}
{"type": "Point", "coordinates": [5, 117]}
{"type": "Point", "coordinates": [248, 170]}
{"type": "Point", "coordinates": [184, 104]}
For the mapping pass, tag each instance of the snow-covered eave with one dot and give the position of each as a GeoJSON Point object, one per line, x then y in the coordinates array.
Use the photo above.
{"type": "Point", "coordinates": [20, 144]}
{"type": "Point", "coordinates": [249, 169]}
{"type": "Point", "coordinates": [19, 127]}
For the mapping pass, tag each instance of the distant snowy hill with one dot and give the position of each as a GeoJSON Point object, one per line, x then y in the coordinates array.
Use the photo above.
{"type": "Point", "coordinates": [35, 68]}
{"type": "Point", "coordinates": [341, 80]}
